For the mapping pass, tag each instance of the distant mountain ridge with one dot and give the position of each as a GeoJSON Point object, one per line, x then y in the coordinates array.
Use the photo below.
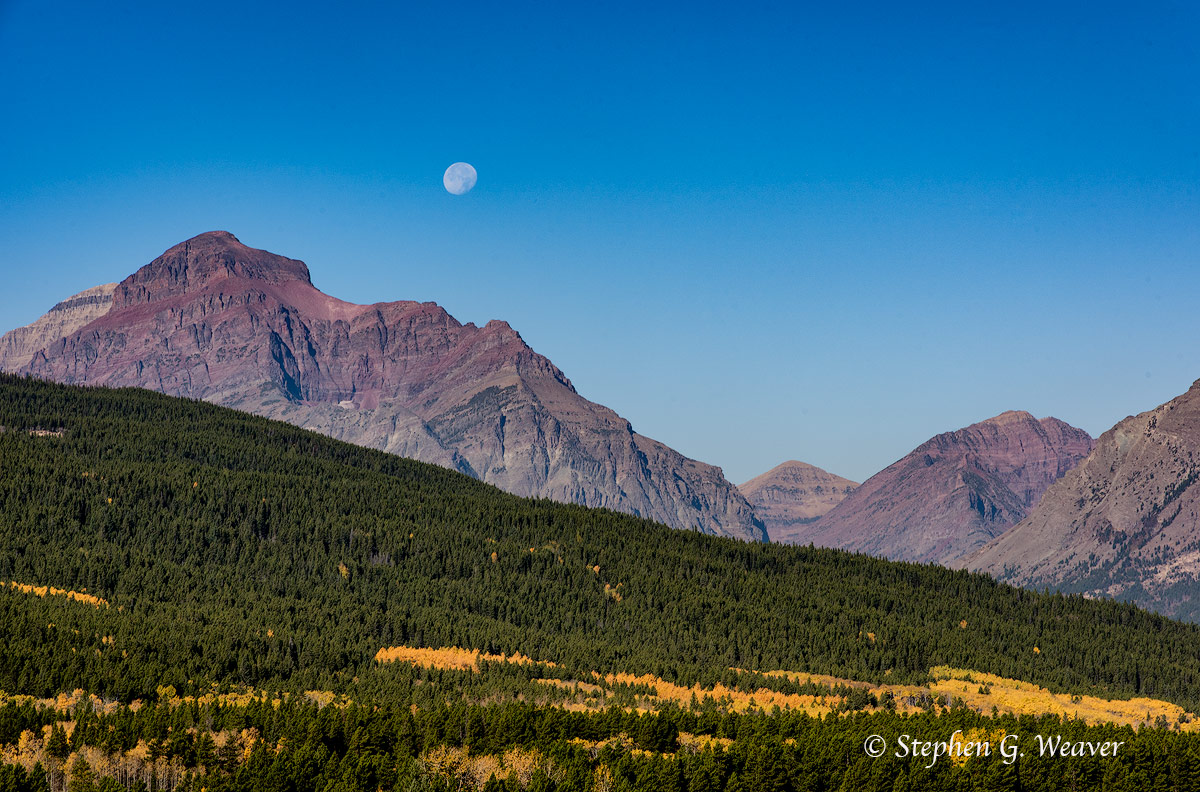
{"type": "Point", "coordinates": [18, 346]}
{"type": "Point", "coordinates": [953, 493]}
{"type": "Point", "coordinates": [793, 494]}
{"type": "Point", "coordinates": [1125, 523]}
{"type": "Point", "coordinates": [214, 319]}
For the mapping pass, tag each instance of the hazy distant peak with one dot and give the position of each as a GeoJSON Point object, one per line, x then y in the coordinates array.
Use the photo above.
{"type": "Point", "coordinates": [18, 347]}
{"type": "Point", "coordinates": [792, 494]}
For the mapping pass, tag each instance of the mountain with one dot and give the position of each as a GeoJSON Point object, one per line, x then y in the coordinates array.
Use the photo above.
{"type": "Point", "coordinates": [794, 494]}
{"type": "Point", "coordinates": [1125, 523]}
{"type": "Point", "coordinates": [18, 346]}
{"type": "Point", "coordinates": [953, 493]}
{"type": "Point", "coordinates": [216, 320]}
{"type": "Point", "coordinates": [207, 546]}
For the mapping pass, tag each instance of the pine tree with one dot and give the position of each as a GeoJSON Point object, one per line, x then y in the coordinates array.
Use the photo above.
{"type": "Point", "coordinates": [58, 747]}
{"type": "Point", "coordinates": [82, 777]}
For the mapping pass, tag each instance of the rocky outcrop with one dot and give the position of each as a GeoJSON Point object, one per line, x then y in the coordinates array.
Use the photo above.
{"type": "Point", "coordinates": [1125, 523]}
{"type": "Point", "coordinates": [216, 320]}
{"type": "Point", "coordinates": [792, 495]}
{"type": "Point", "coordinates": [18, 346]}
{"type": "Point", "coordinates": [955, 492]}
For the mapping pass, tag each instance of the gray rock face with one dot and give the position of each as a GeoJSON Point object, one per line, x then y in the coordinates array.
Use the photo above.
{"type": "Point", "coordinates": [18, 346]}
{"type": "Point", "coordinates": [216, 320]}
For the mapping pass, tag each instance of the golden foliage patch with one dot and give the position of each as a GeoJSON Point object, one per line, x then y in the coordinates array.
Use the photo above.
{"type": "Point", "coordinates": [44, 591]}
{"type": "Point", "coordinates": [976, 690]}
{"type": "Point", "coordinates": [450, 658]}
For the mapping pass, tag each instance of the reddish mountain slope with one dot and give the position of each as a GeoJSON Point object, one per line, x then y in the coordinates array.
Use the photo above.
{"type": "Point", "coordinates": [955, 492]}
{"type": "Point", "coordinates": [216, 320]}
{"type": "Point", "coordinates": [1124, 523]}
{"type": "Point", "coordinates": [789, 496]}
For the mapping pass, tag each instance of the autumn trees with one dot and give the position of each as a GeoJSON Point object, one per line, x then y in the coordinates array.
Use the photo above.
{"type": "Point", "coordinates": [295, 744]}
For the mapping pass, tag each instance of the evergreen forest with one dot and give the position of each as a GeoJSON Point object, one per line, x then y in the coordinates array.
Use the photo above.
{"type": "Point", "coordinates": [211, 589]}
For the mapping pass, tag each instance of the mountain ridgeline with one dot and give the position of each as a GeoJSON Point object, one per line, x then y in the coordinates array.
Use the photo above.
{"type": "Point", "coordinates": [18, 346]}
{"type": "Point", "coordinates": [1125, 523]}
{"type": "Point", "coordinates": [953, 493]}
{"type": "Point", "coordinates": [216, 320]}
{"type": "Point", "coordinates": [217, 546]}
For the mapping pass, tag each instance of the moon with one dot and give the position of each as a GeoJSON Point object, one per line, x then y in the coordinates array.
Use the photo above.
{"type": "Point", "coordinates": [460, 178]}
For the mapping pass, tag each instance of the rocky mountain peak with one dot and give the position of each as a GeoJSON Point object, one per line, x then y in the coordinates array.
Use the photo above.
{"type": "Point", "coordinates": [197, 263]}
{"type": "Point", "coordinates": [793, 494]}
{"type": "Point", "coordinates": [954, 492]}
{"type": "Point", "coordinates": [1124, 523]}
{"type": "Point", "coordinates": [216, 320]}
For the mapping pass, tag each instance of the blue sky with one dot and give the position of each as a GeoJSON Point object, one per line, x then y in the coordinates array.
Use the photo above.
{"type": "Point", "coordinates": [758, 231]}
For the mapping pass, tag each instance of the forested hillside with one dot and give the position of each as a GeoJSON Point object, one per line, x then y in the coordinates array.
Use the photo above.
{"type": "Point", "coordinates": [232, 549]}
